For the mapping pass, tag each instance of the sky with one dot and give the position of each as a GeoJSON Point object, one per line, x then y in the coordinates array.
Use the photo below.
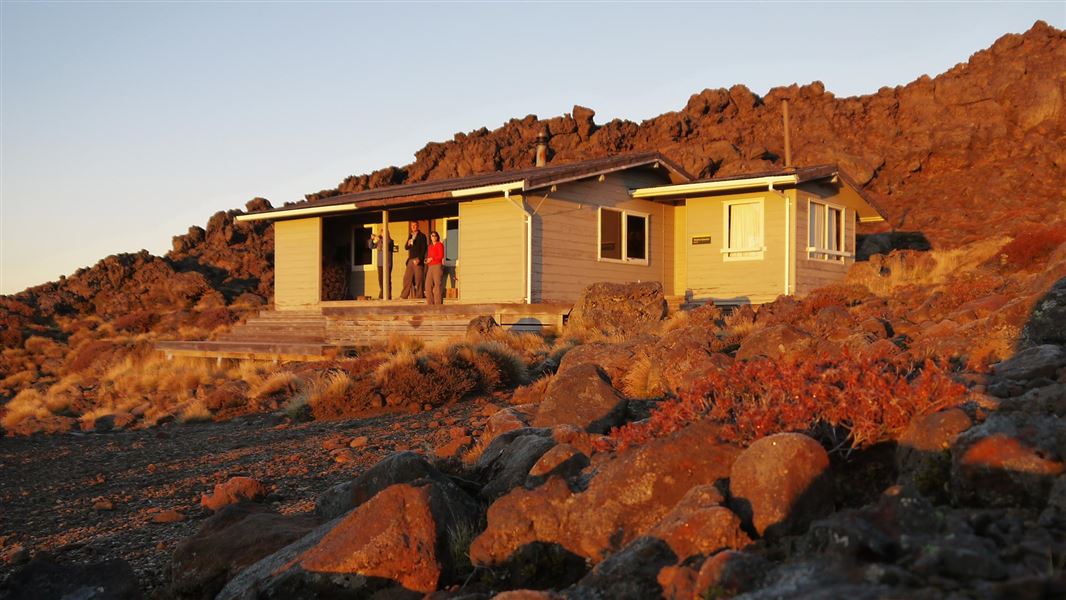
{"type": "Point", "coordinates": [123, 123]}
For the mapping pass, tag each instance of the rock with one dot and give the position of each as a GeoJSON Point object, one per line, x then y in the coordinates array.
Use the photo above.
{"type": "Point", "coordinates": [1009, 460]}
{"type": "Point", "coordinates": [624, 499]}
{"type": "Point", "coordinates": [41, 579]}
{"type": "Point", "coordinates": [700, 525]}
{"type": "Point", "coordinates": [1047, 323]}
{"type": "Point", "coordinates": [234, 490]}
{"type": "Point", "coordinates": [506, 462]}
{"type": "Point", "coordinates": [581, 396]}
{"type": "Point", "coordinates": [619, 309]}
{"type": "Point", "coordinates": [359, 442]}
{"type": "Point", "coordinates": [961, 556]}
{"type": "Point", "coordinates": [730, 572]}
{"type": "Point", "coordinates": [409, 535]}
{"type": "Point", "coordinates": [168, 516]}
{"type": "Point", "coordinates": [630, 574]}
{"type": "Point", "coordinates": [563, 460]}
{"type": "Point", "coordinates": [235, 537]}
{"type": "Point", "coordinates": [681, 353]}
{"type": "Point", "coordinates": [781, 483]}
{"type": "Point", "coordinates": [775, 341]}
{"type": "Point", "coordinates": [402, 467]}
{"type": "Point", "coordinates": [507, 419]}
{"type": "Point", "coordinates": [480, 326]}
{"type": "Point", "coordinates": [923, 455]}
{"type": "Point", "coordinates": [616, 360]}
{"type": "Point", "coordinates": [103, 504]}
{"type": "Point", "coordinates": [1031, 363]}
{"type": "Point", "coordinates": [677, 582]}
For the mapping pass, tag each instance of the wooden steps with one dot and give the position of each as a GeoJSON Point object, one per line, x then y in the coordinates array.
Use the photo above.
{"type": "Point", "coordinates": [308, 334]}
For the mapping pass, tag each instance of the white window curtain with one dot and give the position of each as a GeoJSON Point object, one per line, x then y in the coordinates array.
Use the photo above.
{"type": "Point", "coordinates": [745, 230]}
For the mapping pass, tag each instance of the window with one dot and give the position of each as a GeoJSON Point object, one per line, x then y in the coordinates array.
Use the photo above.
{"type": "Point", "coordinates": [623, 236]}
{"type": "Point", "coordinates": [825, 232]}
{"type": "Point", "coordinates": [743, 233]}
{"type": "Point", "coordinates": [362, 249]}
{"type": "Point", "coordinates": [451, 242]}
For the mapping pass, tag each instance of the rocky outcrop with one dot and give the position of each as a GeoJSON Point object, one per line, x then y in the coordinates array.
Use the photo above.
{"type": "Point", "coordinates": [619, 309]}
{"type": "Point", "coordinates": [581, 396]}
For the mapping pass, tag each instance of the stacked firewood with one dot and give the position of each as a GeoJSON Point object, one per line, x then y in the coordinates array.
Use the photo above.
{"type": "Point", "coordinates": [334, 282]}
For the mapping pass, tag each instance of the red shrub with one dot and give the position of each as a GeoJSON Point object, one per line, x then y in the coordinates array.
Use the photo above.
{"type": "Point", "coordinates": [91, 353]}
{"type": "Point", "coordinates": [1029, 247]}
{"type": "Point", "coordinates": [213, 318]}
{"type": "Point", "coordinates": [869, 398]}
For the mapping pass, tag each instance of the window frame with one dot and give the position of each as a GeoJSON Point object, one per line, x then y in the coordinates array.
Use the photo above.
{"type": "Point", "coordinates": [373, 264]}
{"type": "Point", "coordinates": [755, 253]}
{"type": "Point", "coordinates": [822, 252]}
{"type": "Point", "coordinates": [624, 213]}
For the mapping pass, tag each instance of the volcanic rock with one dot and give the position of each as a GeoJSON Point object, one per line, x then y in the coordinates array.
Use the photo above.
{"type": "Point", "coordinates": [402, 467]}
{"type": "Point", "coordinates": [234, 490]}
{"type": "Point", "coordinates": [619, 309]}
{"type": "Point", "coordinates": [581, 396]}
{"type": "Point", "coordinates": [781, 483]}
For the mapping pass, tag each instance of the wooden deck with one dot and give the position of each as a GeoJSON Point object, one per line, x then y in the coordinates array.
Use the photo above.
{"type": "Point", "coordinates": [287, 335]}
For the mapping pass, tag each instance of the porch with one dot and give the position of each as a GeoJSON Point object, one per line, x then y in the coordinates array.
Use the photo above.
{"type": "Point", "coordinates": [345, 326]}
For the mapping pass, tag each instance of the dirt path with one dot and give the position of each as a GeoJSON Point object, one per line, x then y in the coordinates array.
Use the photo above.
{"type": "Point", "coordinates": [48, 484]}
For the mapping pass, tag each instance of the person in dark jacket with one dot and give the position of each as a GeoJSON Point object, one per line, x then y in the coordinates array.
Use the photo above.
{"type": "Point", "coordinates": [416, 253]}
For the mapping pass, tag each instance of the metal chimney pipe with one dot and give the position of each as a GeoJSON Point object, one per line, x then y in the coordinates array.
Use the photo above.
{"type": "Point", "coordinates": [542, 148]}
{"type": "Point", "coordinates": [788, 138]}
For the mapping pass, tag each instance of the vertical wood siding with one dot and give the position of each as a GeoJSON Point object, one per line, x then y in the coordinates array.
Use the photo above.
{"type": "Point", "coordinates": [297, 263]}
{"type": "Point", "coordinates": [492, 251]}
{"type": "Point", "coordinates": [710, 276]}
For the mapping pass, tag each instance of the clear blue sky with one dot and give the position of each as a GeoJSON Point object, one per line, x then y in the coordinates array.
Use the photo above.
{"type": "Point", "coordinates": [124, 123]}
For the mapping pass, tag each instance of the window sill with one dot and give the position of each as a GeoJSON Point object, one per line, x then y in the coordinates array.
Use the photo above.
{"type": "Point", "coordinates": [626, 261]}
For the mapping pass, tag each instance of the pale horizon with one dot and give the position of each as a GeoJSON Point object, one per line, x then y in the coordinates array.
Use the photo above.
{"type": "Point", "coordinates": [123, 124]}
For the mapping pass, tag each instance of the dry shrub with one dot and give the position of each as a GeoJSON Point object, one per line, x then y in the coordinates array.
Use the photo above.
{"type": "Point", "coordinates": [853, 401]}
{"type": "Point", "coordinates": [194, 412]}
{"type": "Point", "coordinates": [331, 388]}
{"type": "Point", "coordinates": [36, 344]}
{"type": "Point", "coordinates": [136, 322]}
{"type": "Point", "coordinates": [19, 380]}
{"type": "Point", "coordinates": [25, 405]}
{"type": "Point", "coordinates": [636, 383]}
{"type": "Point", "coordinates": [512, 368]}
{"type": "Point", "coordinates": [282, 383]}
{"type": "Point", "coordinates": [532, 393]}
{"type": "Point", "coordinates": [427, 379]}
{"type": "Point", "coordinates": [212, 318]}
{"type": "Point", "coordinates": [1030, 247]}
{"type": "Point", "coordinates": [91, 353]}
{"type": "Point", "coordinates": [64, 395]}
{"type": "Point", "coordinates": [398, 343]}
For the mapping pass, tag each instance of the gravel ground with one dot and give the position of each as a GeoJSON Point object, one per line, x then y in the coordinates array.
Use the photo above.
{"type": "Point", "coordinates": [49, 484]}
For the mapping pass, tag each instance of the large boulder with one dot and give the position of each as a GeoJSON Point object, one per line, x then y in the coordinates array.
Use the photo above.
{"type": "Point", "coordinates": [1009, 460]}
{"type": "Point", "coordinates": [42, 579]}
{"type": "Point", "coordinates": [631, 574]}
{"type": "Point", "coordinates": [402, 467]}
{"type": "Point", "coordinates": [700, 525]}
{"type": "Point", "coordinates": [620, 309]}
{"type": "Point", "coordinates": [781, 483]}
{"type": "Point", "coordinates": [409, 536]}
{"type": "Point", "coordinates": [626, 497]}
{"type": "Point", "coordinates": [1047, 323]}
{"type": "Point", "coordinates": [923, 455]}
{"type": "Point", "coordinates": [616, 360]}
{"type": "Point", "coordinates": [506, 461]}
{"type": "Point", "coordinates": [1038, 361]}
{"type": "Point", "coordinates": [775, 341]}
{"type": "Point", "coordinates": [235, 537]}
{"type": "Point", "coordinates": [581, 396]}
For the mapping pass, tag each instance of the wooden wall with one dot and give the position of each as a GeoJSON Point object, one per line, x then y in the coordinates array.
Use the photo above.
{"type": "Point", "coordinates": [297, 263]}
{"type": "Point", "coordinates": [710, 276]}
{"type": "Point", "coordinates": [565, 229]}
{"type": "Point", "coordinates": [492, 251]}
{"type": "Point", "coordinates": [813, 273]}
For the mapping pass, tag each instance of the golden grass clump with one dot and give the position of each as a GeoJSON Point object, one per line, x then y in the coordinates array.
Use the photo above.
{"type": "Point", "coordinates": [27, 404]}
{"type": "Point", "coordinates": [275, 384]}
{"type": "Point", "coordinates": [508, 362]}
{"type": "Point", "coordinates": [637, 382]}
{"type": "Point", "coordinates": [194, 412]}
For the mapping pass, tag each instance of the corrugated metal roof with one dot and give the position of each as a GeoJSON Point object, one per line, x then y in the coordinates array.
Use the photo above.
{"type": "Point", "coordinates": [532, 178]}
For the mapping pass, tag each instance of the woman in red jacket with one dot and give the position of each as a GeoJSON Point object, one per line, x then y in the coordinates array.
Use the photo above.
{"type": "Point", "coordinates": [434, 269]}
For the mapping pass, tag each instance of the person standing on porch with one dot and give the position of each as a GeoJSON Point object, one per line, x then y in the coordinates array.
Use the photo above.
{"type": "Point", "coordinates": [416, 252]}
{"type": "Point", "coordinates": [435, 269]}
{"type": "Point", "coordinates": [381, 244]}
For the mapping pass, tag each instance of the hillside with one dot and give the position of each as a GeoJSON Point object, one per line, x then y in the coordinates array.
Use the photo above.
{"type": "Point", "coordinates": [901, 433]}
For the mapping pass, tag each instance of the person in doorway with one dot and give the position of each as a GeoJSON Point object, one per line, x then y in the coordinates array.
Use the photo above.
{"type": "Point", "coordinates": [381, 244]}
{"type": "Point", "coordinates": [435, 270]}
{"type": "Point", "coordinates": [416, 253]}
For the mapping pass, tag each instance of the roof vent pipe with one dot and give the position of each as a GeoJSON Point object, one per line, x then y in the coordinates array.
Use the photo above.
{"type": "Point", "coordinates": [788, 138]}
{"type": "Point", "coordinates": [542, 148]}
